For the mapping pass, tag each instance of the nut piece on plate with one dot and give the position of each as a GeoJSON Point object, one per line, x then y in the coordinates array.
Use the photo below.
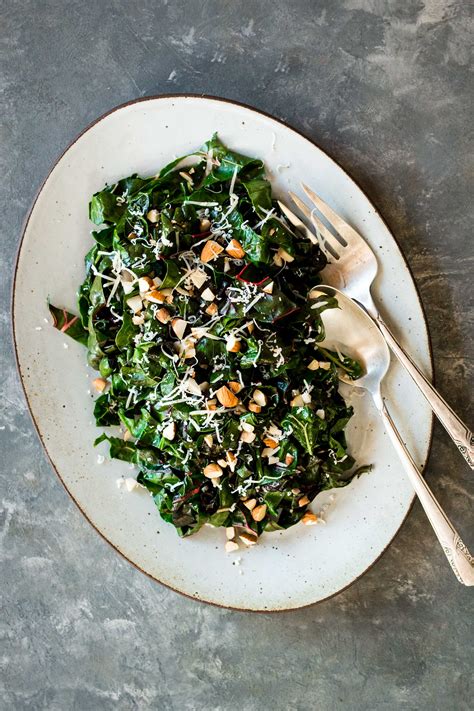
{"type": "Point", "coordinates": [163, 315]}
{"type": "Point", "coordinates": [212, 309]}
{"type": "Point", "coordinates": [234, 249]}
{"type": "Point", "coordinates": [169, 431]}
{"type": "Point", "coordinates": [135, 303]}
{"type": "Point", "coordinates": [226, 397]}
{"type": "Point", "coordinates": [260, 398]}
{"type": "Point", "coordinates": [179, 326]}
{"type": "Point", "coordinates": [100, 384]}
{"type": "Point", "coordinates": [145, 284]}
{"type": "Point", "coordinates": [156, 297]}
{"type": "Point", "coordinates": [210, 251]}
{"type": "Point", "coordinates": [250, 504]}
{"type": "Point", "coordinates": [212, 471]}
{"type": "Point", "coordinates": [153, 216]}
{"type": "Point", "coordinates": [258, 513]}
{"type": "Point", "coordinates": [248, 539]}
{"type": "Point", "coordinates": [232, 344]}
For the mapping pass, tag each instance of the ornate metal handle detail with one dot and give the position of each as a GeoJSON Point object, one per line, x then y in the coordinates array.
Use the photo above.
{"type": "Point", "coordinates": [456, 551]}
{"type": "Point", "coordinates": [457, 430]}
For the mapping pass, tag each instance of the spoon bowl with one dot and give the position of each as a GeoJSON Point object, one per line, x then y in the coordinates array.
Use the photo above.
{"type": "Point", "coordinates": [350, 330]}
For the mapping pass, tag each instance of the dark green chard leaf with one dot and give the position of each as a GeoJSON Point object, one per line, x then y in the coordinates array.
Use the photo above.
{"type": "Point", "coordinates": [67, 322]}
{"type": "Point", "coordinates": [212, 370]}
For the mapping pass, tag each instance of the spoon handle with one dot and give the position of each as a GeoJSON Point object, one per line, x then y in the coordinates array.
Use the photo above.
{"type": "Point", "coordinates": [456, 551]}
{"type": "Point", "coordinates": [457, 430]}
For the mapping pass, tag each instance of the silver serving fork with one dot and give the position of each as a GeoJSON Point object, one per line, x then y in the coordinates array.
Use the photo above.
{"type": "Point", "coordinates": [352, 267]}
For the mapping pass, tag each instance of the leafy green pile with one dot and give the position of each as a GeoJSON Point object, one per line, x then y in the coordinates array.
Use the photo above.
{"type": "Point", "coordinates": [197, 310]}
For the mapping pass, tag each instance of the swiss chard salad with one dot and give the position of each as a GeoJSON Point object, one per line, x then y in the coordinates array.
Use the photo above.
{"type": "Point", "coordinates": [199, 312]}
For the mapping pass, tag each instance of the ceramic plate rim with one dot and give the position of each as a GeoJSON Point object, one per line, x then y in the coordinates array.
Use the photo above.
{"type": "Point", "coordinates": [24, 227]}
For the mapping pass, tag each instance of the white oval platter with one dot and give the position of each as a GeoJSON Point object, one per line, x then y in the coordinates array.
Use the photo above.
{"type": "Point", "coordinates": [287, 569]}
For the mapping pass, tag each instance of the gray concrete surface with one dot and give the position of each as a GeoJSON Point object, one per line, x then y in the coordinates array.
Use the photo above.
{"type": "Point", "coordinates": [384, 87]}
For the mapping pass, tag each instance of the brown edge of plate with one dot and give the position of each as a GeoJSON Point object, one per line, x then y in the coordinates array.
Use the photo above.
{"type": "Point", "coordinates": [23, 231]}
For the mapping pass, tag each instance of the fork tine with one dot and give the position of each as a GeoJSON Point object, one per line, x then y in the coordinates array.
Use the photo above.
{"type": "Point", "coordinates": [347, 232]}
{"type": "Point", "coordinates": [296, 222]}
{"type": "Point", "coordinates": [326, 240]}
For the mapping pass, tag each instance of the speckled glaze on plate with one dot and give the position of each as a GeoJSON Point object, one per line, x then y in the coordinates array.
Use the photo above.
{"type": "Point", "coordinates": [289, 569]}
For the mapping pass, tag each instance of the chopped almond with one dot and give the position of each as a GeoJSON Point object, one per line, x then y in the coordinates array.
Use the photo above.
{"type": "Point", "coordinates": [235, 249]}
{"type": "Point", "coordinates": [226, 397]}
{"type": "Point", "coordinates": [212, 309]}
{"type": "Point", "coordinates": [234, 386]}
{"type": "Point", "coordinates": [138, 319]}
{"type": "Point", "coordinates": [247, 427]}
{"type": "Point", "coordinates": [169, 431]}
{"type": "Point", "coordinates": [127, 436]}
{"type": "Point", "coordinates": [259, 397]}
{"type": "Point", "coordinates": [248, 437]}
{"type": "Point", "coordinates": [153, 216]}
{"type": "Point", "coordinates": [269, 442]}
{"type": "Point", "coordinates": [209, 440]}
{"type": "Point", "coordinates": [250, 327]}
{"type": "Point", "coordinates": [198, 278]}
{"type": "Point", "coordinates": [231, 547]}
{"type": "Point", "coordinates": [179, 326]}
{"type": "Point", "coordinates": [163, 315]}
{"type": "Point", "coordinates": [156, 297]}
{"type": "Point", "coordinates": [145, 284]}
{"type": "Point", "coordinates": [231, 460]}
{"type": "Point", "coordinates": [204, 224]}
{"type": "Point", "coordinates": [135, 303]}
{"type": "Point", "coordinates": [258, 513]}
{"type": "Point", "coordinates": [192, 387]}
{"type": "Point", "coordinates": [233, 344]}
{"type": "Point", "coordinates": [253, 407]}
{"type": "Point", "coordinates": [211, 404]}
{"type": "Point", "coordinates": [268, 289]}
{"type": "Point", "coordinates": [208, 295]}
{"type": "Point", "coordinates": [297, 401]}
{"type": "Point", "coordinates": [222, 463]}
{"type": "Point", "coordinates": [210, 251]}
{"type": "Point", "coordinates": [212, 471]}
{"type": "Point", "coordinates": [304, 501]}
{"type": "Point", "coordinates": [309, 519]}
{"type": "Point", "coordinates": [250, 504]}
{"type": "Point", "coordinates": [289, 459]}
{"type": "Point", "coordinates": [100, 384]}
{"type": "Point", "coordinates": [248, 539]}
{"type": "Point", "coordinates": [230, 532]}
{"type": "Point", "coordinates": [189, 352]}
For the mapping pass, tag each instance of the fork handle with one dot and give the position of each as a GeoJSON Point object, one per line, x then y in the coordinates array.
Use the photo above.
{"type": "Point", "coordinates": [457, 430]}
{"type": "Point", "coordinates": [456, 551]}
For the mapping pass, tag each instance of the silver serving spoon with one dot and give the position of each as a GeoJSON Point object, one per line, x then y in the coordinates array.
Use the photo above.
{"type": "Point", "coordinates": [350, 327]}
